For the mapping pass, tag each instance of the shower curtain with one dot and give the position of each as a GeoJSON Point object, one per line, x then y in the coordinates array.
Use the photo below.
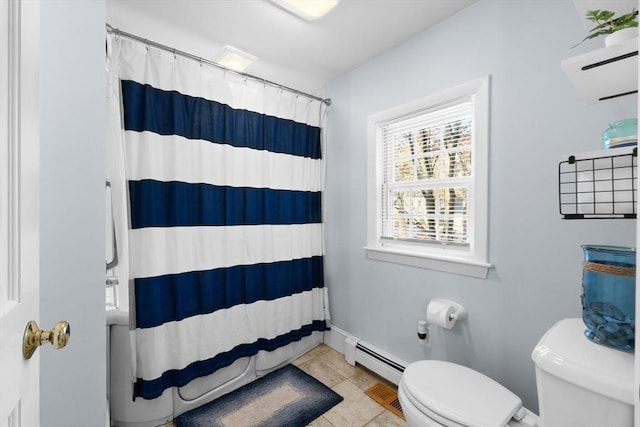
{"type": "Point", "coordinates": [221, 180]}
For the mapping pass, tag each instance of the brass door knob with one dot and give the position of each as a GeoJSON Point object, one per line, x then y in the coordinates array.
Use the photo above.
{"type": "Point", "coordinates": [34, 337]}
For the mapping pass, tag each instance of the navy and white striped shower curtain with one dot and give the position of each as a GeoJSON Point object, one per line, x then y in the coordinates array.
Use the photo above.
{"type": "Point", "coordinates": [223, 178]}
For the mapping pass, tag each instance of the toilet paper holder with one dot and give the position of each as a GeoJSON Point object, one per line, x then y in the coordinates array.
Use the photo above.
{"type": "Point", "coordinates": [445, 313]}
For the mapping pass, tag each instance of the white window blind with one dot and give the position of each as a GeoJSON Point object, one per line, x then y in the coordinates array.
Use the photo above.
{"type": "Point", "coordinates": [428, 181]}
{"type": "Point", "coordinates": [427, 176]}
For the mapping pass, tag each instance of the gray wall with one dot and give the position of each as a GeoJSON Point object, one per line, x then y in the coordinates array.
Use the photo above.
{"type": "Point", "coordinates": [536, 117]}
{"type": "Point", "coordinates": [72, 254]}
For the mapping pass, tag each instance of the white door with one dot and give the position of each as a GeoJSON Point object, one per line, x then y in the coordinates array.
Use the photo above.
{"type": "Point", "coordinates": [19, 236]}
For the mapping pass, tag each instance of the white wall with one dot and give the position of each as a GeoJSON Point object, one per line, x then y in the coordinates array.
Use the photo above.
{"type": "Point", "coordinates": [73, 135]}
{"type": "Point", "coordinates": [536, 117]}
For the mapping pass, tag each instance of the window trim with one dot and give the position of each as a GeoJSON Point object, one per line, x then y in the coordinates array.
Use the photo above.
{"type": "Point", "coordinates": [472, 262]}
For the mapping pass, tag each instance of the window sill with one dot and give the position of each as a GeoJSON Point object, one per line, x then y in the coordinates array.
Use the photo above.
{"type": "Point", "coordinates": [463, 266]}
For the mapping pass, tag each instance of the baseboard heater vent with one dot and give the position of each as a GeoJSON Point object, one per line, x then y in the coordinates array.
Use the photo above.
{"type": "Point", "coordinates": [380, 362]}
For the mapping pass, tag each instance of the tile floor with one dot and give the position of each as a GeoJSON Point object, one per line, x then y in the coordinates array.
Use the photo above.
{"type": "Point", "coordinates": [357, 409]}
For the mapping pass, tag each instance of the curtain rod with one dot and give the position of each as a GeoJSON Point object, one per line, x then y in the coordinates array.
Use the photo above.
{"type": "Point", "coordinates": [110, 29]}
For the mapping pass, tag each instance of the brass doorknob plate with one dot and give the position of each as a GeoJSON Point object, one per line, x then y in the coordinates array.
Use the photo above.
{"type": "Point", "coordinates": [34, 337]}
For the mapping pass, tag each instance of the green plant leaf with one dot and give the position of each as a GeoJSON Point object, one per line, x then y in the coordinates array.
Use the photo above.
{"type": "Point", "coordinates": [599, 15]}
{"type": "Point", "coordinates": [607, 24]}
{"type": "Point", "coordinates": [626, 20]}
{"type": "Point", "coordinates": [592, 15]}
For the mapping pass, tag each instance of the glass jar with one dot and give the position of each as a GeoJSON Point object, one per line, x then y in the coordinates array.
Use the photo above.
{"type": "Point", "coordinates": [608, 295]}
{"type": "Point", "coordinates": [621, 133]}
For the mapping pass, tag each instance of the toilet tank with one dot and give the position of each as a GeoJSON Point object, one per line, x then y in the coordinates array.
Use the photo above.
{"type": "Point", "coordinates": [580, 383]}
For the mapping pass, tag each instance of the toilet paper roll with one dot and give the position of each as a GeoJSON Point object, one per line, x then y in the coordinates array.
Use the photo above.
{"type": "Point", "coordinates": [441, 314]}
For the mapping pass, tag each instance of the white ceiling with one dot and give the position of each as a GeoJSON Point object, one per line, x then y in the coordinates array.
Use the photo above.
{"type": "Point", "coordinates": [291, 51]}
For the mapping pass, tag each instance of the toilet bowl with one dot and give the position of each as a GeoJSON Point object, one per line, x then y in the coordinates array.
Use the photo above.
{"type": "Point", "coordinates": [435, 393]}
{"type": "Point", "coordinates": [580, 384]}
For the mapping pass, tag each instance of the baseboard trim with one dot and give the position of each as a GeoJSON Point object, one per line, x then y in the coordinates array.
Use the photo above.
{"type": "Point", "coordinates": [357, 351]}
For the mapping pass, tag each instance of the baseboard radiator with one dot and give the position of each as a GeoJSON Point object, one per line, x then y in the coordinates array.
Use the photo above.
{"type": "Point", "coordinates": [380, 362]}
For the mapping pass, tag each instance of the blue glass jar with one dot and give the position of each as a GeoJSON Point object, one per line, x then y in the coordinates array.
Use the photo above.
{"type": "Point", "coordinates": [609, 295]}
{"type": "Point", "coordinates": [621, 133]}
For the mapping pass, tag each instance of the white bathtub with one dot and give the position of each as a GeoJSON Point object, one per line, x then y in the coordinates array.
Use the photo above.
{"type": "Point", "coordinates": [125, 412]}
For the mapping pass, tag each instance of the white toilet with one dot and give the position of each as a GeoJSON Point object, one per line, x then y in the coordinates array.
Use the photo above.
{"type": "Point", "coordinates": [580, 384]}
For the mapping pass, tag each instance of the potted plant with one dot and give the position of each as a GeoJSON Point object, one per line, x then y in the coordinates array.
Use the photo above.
{"type": "Point", "coordinates": [614, 28]}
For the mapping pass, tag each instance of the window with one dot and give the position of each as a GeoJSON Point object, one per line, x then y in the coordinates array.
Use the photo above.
{"type": "Point", "coordinates": [428, 174]}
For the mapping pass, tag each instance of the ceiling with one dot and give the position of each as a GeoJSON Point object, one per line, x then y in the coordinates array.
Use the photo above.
{"type": "Point", "coordinates": [291, 51]}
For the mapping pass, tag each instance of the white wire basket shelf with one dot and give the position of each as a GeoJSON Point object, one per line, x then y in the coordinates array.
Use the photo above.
{"type": "Point", "coordinates": [600, 184]}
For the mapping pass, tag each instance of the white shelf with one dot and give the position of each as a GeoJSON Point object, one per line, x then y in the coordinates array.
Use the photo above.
{"type": "Point", "coordinates": [605, 73]}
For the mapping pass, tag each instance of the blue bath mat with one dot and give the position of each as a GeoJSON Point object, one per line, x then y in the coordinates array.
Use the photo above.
{"type": "Point", "coordinates": [286, 397]}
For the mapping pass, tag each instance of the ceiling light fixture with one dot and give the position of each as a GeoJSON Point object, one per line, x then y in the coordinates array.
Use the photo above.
{"type": "Point", "coordinates": [235, 59]}
{"type": "Point", "coordinates": [307, 9]}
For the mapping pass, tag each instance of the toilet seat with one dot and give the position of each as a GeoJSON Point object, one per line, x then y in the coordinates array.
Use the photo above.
{"type": "Point", "coordinates": [459, 396]}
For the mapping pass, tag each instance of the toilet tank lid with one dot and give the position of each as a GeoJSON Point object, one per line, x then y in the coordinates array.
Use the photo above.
{"type": "Point", "coordinates": [460, 394]}
{"type": "Point", "coordinates": [566, 353]}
